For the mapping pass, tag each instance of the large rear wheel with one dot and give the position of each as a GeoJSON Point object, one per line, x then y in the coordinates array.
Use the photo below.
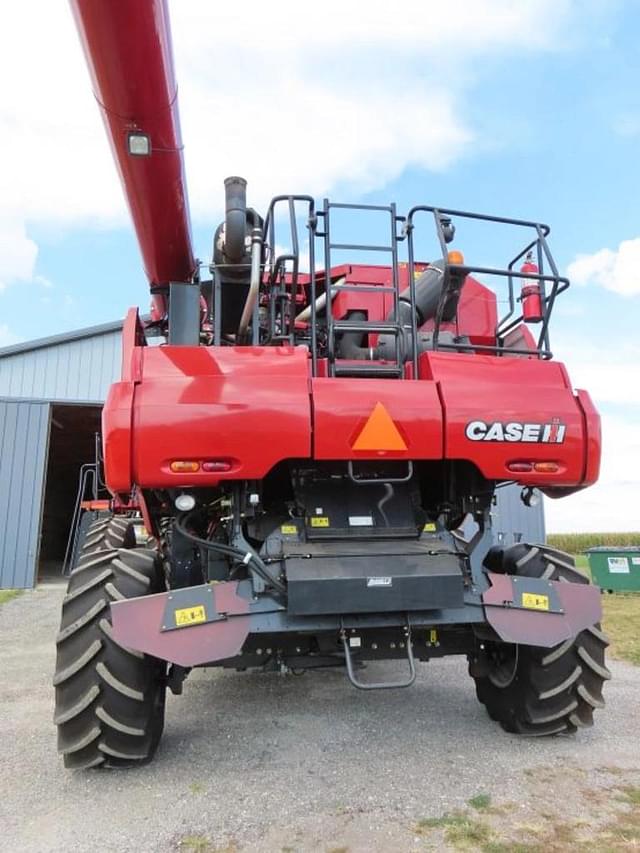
{"type": "Point", "coordinates": [540, 691]}
{"type": "Point", "coordinates": [109, 706]}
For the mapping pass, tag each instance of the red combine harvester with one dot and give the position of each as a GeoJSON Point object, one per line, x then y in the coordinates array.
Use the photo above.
{"type": "Point", "coordinates": [304, 448]}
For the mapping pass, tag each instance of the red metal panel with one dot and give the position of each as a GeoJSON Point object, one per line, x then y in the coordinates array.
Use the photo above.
{"type": "Point", "coordinates": [593, 443]}
{"type": "Point", "coordinates": [137, 624]}
{"type": "Point", "coordinates": [526, 391]}
{"type": "Point", "coordinates": [249, 406]}
{"type": "Point", "coordinates": [581, 608]}
{"type": "Point", "coordinates": [116, 437]}
{"type": "Point", "coordinates": [341, 408]}
{"type": "Point", "coordinates": [128, 50]}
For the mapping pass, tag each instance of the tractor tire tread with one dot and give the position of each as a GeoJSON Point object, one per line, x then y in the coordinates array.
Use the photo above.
{"type": "Point", "coordinates": [555, 690]}
{"type": "Point", "coordinates": [109, 706]}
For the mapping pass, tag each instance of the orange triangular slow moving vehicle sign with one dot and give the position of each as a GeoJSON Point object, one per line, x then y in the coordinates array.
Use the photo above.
{"type": "Point", "coordinates": [379, 432]}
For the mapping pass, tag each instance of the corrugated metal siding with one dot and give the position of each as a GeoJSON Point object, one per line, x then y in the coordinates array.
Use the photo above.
{"type": "Point", "coordinates": [515, 522]}
{"type": "Point", "coordinates": [24, 437]}
{"type": "Point", "coordinates": [80, 370]}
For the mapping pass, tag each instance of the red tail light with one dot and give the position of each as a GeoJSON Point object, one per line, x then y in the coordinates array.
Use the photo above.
{"type": "Point", "coordinates": [520, 467]}
{"type": "Point", "coordinates": [217, 466]}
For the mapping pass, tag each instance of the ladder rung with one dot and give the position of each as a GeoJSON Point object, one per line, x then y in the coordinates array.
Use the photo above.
{"type": "Point", "coordinates": [368, 370]}
{"type": "Point", "coordinates": [364, 288]}
{"type": "Point", "coordinates": [335, 205]}
{"type": "Point", "coordinates": [365, 327]}
{"type": "Point", "coordinates": [356, 247]}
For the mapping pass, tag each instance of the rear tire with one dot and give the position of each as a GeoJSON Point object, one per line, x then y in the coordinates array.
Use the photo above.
{"type": "Point", "coordinates": [109, 706]}
{"type": "Point", "coordinates": [539, 691]}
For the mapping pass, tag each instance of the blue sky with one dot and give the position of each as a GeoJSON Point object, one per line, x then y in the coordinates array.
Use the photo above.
{"type": "Point", "coordinates": [526, 109]}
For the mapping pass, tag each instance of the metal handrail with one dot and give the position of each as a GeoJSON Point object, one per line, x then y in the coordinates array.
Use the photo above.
{"type": "Point", "coordinates": [508, 321]}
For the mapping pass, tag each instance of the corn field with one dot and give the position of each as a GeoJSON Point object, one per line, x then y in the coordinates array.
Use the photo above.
{"type": "Point", "coordinates": [576, 543]}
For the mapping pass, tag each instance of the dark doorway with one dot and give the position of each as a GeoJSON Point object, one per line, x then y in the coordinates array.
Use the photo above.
{"type": "Point", "coordinates": [71, 444]}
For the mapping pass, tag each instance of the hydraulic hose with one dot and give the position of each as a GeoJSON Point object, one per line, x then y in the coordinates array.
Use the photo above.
{"type": "Point", "coordinates": [254, 285]}
{"type": "Point", "coordinates": [249, 557]}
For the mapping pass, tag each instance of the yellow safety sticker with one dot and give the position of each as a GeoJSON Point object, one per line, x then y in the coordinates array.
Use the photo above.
{"type": "Point", "coordinates": [433, 636]}
{"type": "Point", "coordinates": [429, 527]}
{"type": "Point", "coordinates": [319, 521]}
{"type": "Point", "coordinates": [190, 616]}
{"type": "Point", "coordinates": [288, 529]}
{"type": "Point", "coordinates": [534, 601]}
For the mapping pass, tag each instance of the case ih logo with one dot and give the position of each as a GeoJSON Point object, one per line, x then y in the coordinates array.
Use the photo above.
{"type": "Point", "coordinates": [552, 433]}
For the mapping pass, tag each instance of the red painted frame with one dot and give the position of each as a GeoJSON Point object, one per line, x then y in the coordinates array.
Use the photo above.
{"type": "Point", "coordinates": [249, 408]}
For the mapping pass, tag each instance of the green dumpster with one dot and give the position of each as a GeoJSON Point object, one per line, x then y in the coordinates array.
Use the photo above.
{"type": "Point", "coordinates": [615, 569]}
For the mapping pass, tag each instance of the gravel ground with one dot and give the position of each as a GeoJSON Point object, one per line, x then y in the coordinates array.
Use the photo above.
{"type": "Point", "coordinates": [263, 762]}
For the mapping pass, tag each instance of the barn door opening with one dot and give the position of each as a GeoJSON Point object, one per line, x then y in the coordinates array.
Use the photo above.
{"type": "Point", "coordinates": [71, 445]}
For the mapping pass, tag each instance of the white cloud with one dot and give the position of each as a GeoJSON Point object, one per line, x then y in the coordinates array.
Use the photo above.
{"type": "Point", "coordinates": [304, 102]}
{"type": "Point", "coordinates": [297, 98]}
{"type": "Point", "coordinates": [611, 504]}
{"type": "Point", "coordinates": [17, 252]}
{"type": "Point", "coordinates": [610, 375]}
{"type": "Point", "coordinates": [7, 337]}
{"type": "Point", "coordinates": [617, 270]}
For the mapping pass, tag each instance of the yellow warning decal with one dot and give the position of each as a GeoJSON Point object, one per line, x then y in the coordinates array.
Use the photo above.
{"type": "Point", "coordinates": [379, 432]}
{"type": "Point", "coordinates": [433, 636]}
{"type": "Point", "coordinates": [533, 601]}
{"type": "Point", "coordinates": [288, 529]}
{"type": "Point", "coordinates": [429, 527]}
{"type": "Point", "coordinates": [190, 616]}
{"type": "Point", "coordinates": [319, 521]}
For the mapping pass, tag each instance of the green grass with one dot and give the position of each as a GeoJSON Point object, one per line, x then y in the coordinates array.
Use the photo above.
{"type": "Point", "coordinates": [631, 795]}
{"type": "Point", "coordinates": [582, 563]}
{"type": "Point", "coordinates": [8, 594]}
{"type": "Point", "coordinates": [480, 802]}
{"type": "Point", "coordinates": [615, 827]}
{"type": "Point", "coordinates": [460, 829]}
{"type": "Point", "coordinates": [196, 844]}
{"type": "Point", "coordinates": [620, 619]}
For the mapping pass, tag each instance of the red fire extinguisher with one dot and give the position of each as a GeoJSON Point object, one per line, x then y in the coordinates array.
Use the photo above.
{"type": "Point", "coordinates": [530, 293]}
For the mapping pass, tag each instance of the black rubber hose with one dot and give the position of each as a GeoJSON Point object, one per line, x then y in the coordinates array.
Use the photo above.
{"type": "Point", "coordinates": [235, 228]}
{"type": "Point", "coordinates": [229, 551]}
{"type": "Point", "coordinates": [428, 289]}
{"type": "Point", "coordinates": [350, 341]}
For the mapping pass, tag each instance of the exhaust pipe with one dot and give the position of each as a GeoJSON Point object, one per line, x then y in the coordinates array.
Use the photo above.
{"type": "Point", "coordinates": [235, 222]}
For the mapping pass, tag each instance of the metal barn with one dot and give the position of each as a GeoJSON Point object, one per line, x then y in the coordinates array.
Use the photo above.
{"type": "Point", "coordinates": [51, 393]}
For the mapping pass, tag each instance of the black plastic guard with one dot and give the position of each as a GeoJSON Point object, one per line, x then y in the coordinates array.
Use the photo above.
{"type": "Point", "coordinates": [345, 578]}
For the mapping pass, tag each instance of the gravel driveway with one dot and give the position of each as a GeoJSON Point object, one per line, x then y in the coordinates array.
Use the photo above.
{"type": "Point", "coordinates": [264, 762]}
